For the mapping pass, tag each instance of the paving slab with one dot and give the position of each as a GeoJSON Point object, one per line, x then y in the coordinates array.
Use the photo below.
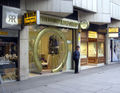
{"type": "Point", "coordinates": [96, 80]}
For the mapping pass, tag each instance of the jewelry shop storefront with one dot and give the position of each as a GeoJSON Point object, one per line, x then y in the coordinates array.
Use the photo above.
{"type": "Point", "coordinates": [93, 45]}
{"type": "Point", "coordinates": [50, 44]}
{"type": "Point", "coordinates": [9, 29]}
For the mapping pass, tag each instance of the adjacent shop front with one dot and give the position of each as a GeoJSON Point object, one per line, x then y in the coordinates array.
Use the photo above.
{"type": "Point", "coordinates": [50, 44]}
{"type": "Point", "coordinates": [93, 45]}
{"type": "Point", "coordinates": [114, 44]}
{"type": "Point", "coordinates": [9, 33]}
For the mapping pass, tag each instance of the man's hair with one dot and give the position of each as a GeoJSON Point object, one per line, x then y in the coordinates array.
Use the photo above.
{"type": "Point", "coordinates": [77, 47]}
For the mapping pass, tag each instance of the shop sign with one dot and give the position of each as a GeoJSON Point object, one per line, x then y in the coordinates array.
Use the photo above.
{"type": "Point", "coordinates": [3, 33]}
{"type": "Point", "coordinates": [113, 35]}
{"type": "Point", "coordinates": [11, 18]}
{"type": "Point", "coordinates": [8, 33]}
{"type": "Point", "coordinates": [32, 18]}
{"type": "Point", "coordinates": [60, 22]}
{"type": "Point", "coordinates": [113, 32]}
{"type": "Point", "coordinates": [84, 24]}
{"type": "Point", "coordinates": [92, 34]}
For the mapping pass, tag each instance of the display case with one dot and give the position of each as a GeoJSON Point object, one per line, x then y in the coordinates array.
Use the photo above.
{"type": "Point", "coordinates": [8, 58]}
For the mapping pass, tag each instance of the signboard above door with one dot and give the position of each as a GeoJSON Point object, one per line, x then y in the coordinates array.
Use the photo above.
{"type": "Point", "coordinates": [34, 17]}
{"type": "Point", "coordinates": [92, 34]}
{"type": "Point", "coordinates": [113, 32]}
{"type": "Point", "coordinates": [31, 18]}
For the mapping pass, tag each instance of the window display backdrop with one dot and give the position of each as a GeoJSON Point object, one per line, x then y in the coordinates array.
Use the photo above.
{"type": "Point", "coordinates": [48, 52]}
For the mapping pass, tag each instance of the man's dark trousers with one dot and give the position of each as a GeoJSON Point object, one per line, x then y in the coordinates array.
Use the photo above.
{"type": "Point", "coordinates": [76, 65]}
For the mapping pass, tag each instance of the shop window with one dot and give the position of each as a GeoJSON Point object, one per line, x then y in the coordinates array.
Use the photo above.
{"type": "Point", "coordinates": [51, 49]}
{"type": "Point", "coordinates": [116, 50]}
{"type": "Point", "coordinates": [8, 58]}
{"type": "Point", "coordinates": [92, 49]}
{"type": "Point", "coordinates": [100, 49]}
{"type": "Point", "coordinates": [83, 50]}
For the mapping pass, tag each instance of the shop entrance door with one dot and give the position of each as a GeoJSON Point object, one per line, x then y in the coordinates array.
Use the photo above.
{"type": "Point", "coordinates": [92, 52]}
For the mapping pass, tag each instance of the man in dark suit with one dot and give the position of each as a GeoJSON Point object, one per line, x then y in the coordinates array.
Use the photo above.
{"type": "Point", "coordinates": [76, 57]}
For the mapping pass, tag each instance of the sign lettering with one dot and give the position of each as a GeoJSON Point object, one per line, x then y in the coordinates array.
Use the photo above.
{"type": "Point", "coordinates": [113, 30]}
{"type": "Point", "coordinates": [92, 34]}
{"type": "Point", "coordinates": [30, 18]}
{"type": "Point", "coordinates": [11, 18]}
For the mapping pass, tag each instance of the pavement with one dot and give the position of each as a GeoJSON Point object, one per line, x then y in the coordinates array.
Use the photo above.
{"type": "Point", "coordinates": [104, 79]}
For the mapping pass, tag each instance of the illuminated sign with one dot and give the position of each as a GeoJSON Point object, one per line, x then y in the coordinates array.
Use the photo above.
{"type": "Point", "coordinates": [32, 18]}
{"type": "Point", "coordinates": [84, 24]}
{"type": "Point", "coordinates": [113, 30]}
{"type": "Point", "coordinates": [113, 35]}
{"type": "Point", "coordinates": [11, 18]}
{"type": "Point", "coordinates": [92, 34]}
{"type": "Point", "coordinates": [60, 22]}
{"type": "Point", "coordinates": [3, 33]}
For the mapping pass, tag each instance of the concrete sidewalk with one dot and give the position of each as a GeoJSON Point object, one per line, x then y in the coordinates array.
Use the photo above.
{"type": "Point", "coordinates": [97, 80]}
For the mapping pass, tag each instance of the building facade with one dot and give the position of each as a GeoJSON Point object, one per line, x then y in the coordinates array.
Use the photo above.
{"type": "Point", "coordinates": [46, 39]}
{"type": "Point", "coordinates": [101, 13]}
{"type": "Point", "coordinates": [10, 27]}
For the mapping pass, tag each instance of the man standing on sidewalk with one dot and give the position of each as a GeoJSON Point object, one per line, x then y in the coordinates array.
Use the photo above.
{"type": "Point", "coordinates": [76, 56]}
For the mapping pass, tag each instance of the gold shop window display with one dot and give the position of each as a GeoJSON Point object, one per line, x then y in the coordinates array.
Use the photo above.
{"type": "Point", "coordinates": [51, 50]}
